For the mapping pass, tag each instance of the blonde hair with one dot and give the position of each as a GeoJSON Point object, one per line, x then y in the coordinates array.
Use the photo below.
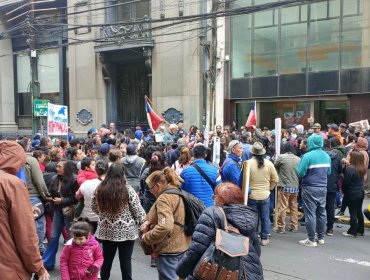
{"type": "Point", "coordinates": [166, 176]}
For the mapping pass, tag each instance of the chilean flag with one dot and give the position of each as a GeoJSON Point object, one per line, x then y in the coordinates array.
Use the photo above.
{"type": "Point", "coordinates": [252, 118]}
{"type": "Point", "coordinates": [153, 119]}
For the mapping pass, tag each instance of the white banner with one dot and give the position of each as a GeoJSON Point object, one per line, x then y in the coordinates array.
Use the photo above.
{"type": "Point", "coordinates": [277, 137]}
{"type": "Point", "coordinates": [57, 119]}
{"type": "Point", "coordinates": [364, 124]}
{"type": "Point", "coordinates": [216, 150]}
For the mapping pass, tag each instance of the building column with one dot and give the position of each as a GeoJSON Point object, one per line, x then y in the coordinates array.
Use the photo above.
{"type": "Point", "coordinates": [7, 104]}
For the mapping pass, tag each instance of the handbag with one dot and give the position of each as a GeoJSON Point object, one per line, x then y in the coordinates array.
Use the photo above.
{"type": "Point", "coordinates": [79, 207]}
{"type": "Point", "coordinates": [69, 212]}
{"type": "Point", "coordinates": [147, 249]}
{"type": "Point", "coordinates": [223, 260]}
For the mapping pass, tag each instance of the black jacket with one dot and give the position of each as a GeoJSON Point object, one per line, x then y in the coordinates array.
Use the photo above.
{"type": "Point", "coordinates": [336, 170]}
{"type": "Point", "coordinates": [241, 217]}
{"type": "Point", "coordinates": [67, 192]}
{"type": "Point", "coordinates": [353, 183]}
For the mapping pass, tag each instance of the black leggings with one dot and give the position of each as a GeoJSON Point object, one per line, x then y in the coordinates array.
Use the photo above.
{"type": "Point", "coordinates": [125, 249]}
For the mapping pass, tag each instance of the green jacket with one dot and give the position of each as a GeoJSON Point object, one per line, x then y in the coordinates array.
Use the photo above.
{"type": "Point", "coordinates": [286, 166]}
{"type": "Point", "coordinates": [35, 180]}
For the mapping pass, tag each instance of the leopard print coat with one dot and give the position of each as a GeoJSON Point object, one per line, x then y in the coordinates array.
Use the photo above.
{"type": "Point", "coordinates": [124, 225]}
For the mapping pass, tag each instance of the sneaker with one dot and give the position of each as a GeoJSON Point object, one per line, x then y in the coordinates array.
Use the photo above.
{"type": "Point", "coordinates": [279, 230]}
{"type": "Point", "coordinates": [346, 234]}
{"type": "Point", "coordinates": [339, 215]}
{"type": "Point", "coordinates": [329, 232]}
{"type": "Point", "coordinates": [321, 241]}
{"type": "Point", "coordinates": [308, 243]}
{"type": "Point", "coordinates": [293, 230]}
{"type": "Point", "coordinates": [264, 242]}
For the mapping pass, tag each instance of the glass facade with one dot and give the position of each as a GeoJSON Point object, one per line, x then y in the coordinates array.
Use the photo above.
{"type": "Point", "coordinates": [311, 49]}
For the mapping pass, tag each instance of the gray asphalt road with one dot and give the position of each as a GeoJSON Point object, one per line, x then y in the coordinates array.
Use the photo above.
{"type": "Point", "coordinates": [341, 258]}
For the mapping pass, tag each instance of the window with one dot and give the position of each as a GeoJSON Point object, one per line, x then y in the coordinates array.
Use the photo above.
{"type": "Point", "coordinates": [23, 85]}
{"type": "Point", "coordinates": [48, 70]}
{"type": "Point", "coordinates": [126, 10]}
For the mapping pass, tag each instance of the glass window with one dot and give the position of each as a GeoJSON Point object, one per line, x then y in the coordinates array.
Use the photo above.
{"type": "Point", "coordinates": [123, 11]}
{"type": "Point", "coordinates": [241, 59]}
{"type": "Point", "coordinates": [23, 73]}
{"type": "Point", "coordinates": [48, 71]}
{"type": "Point", "coordinates": [133, 10]}
{"type": "Point", "coordinates": [323, 40]}
{"type": "Point", "coordinates": [264, 48]}
{"type": "Point", "coordinates": [293, 48]}
{"type": "Point", "coordinates": [290, 15]}
{"type": "Point", "coordinates": [319, 10]}
{"type": "Point", "coordinates": [350, 7]}
{"type": "Point", "coordinates": [351, 41]}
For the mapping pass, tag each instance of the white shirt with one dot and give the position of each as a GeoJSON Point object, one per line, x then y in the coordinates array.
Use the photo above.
{"type": "Point", "coordinates": [87, 189]}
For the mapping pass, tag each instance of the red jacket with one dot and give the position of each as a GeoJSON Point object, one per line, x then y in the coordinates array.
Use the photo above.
{"type": "Point", "coordinates": [84, 175]}
{"type": "Point", "coordinates": [76, 259]}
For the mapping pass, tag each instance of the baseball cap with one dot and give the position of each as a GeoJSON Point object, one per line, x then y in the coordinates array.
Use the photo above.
{"type": "Point", "coordinates": [317, 125]}
{"type": "Point", "coordinates": [334, 127]}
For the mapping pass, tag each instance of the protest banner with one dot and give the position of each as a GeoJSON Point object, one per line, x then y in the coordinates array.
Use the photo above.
{"type": "Point", "coordinates": [57, 119]}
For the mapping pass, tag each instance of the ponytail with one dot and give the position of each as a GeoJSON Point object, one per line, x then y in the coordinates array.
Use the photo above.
{"type": "Point", "coordinates": [171, 177]}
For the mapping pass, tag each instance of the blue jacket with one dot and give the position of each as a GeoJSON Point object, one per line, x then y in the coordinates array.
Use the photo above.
{"type": "Point", "coordinates": [195, 184]}
{"type": "Point", "coordinates": [246, 152]}
{"type": "Point", "coordinates": [230, 171]}
{"type": "Point", "coordinates": [315, 165]}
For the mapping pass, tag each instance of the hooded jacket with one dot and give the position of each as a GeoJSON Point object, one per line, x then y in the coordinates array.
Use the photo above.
{"type": "Point", "coordinates": [133, 165]}
{"type": "Point", "coordinates": [239, 216]}
{"type": "Point", "coordinates": [336, 171]}
{"type": "Point", "coordinates": [76, 259]}
{"type": "Point", "coordinates": [84, 175]}
{"type": "Point", "coordinates": [315, 166]}
{"type": "Point", "coordinates": [19, 243]}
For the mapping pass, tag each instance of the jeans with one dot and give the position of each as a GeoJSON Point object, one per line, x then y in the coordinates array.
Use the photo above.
{"type": "Point", "coordinates": [40, 223]}
{"type": "Point", "coordinates": [330, 209]}
{"type": "Point", "coordinates": [263, 209]}
{"type": "Point", "coordinates": [356, 216]}
{"type": "Point", "coordinates": [314, 201]}
{"type": "Point", "coordinates": [166, 266]}
{"type": "Point", "coordinates": [58, 223]}
{"type": "Point", "coordinates": [125, 249]}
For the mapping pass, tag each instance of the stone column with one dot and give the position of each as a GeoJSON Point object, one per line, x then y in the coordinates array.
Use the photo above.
{"type": "Point", "coordinates": [7, 104]}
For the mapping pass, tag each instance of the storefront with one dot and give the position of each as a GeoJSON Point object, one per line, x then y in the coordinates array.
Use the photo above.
{"type": "Point", "coordinates": [310, 60]}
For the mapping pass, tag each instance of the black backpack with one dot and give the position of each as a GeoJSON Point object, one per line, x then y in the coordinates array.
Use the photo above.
{"type": "Point", "coordinates": [193, 209]}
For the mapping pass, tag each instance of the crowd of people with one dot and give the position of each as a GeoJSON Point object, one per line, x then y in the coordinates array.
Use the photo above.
{"type": "Point", "coordinates": [106, 190]}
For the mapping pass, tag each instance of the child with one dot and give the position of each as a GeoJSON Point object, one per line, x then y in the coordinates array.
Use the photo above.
{"type": "Point", "coordinates": [82, 256]}
{"type": "Point", "coordinates": [87, 171]}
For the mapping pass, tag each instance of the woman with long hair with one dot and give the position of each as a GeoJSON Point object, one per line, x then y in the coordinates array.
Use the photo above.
{"type": "Point", "coordinates": [161, 229]}
{"type": "Point", "coordinates": [183, 161]}
{"type": "Point", "coordinates": [120, 215]}
{"type": "Point", "coordinates": [62, 196]}
{"type": "Point", "coordinates": [263, 178]}
{"type": "Point", "coordinates": [229, 198]}
{"type": "Point", "coordinates": [353, 189]}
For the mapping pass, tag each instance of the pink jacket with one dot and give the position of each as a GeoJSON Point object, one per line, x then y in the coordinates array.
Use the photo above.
{"type": "Point", "coordinates": [84, 175]}
{"type": "Point", "coordinates": [75, 259]}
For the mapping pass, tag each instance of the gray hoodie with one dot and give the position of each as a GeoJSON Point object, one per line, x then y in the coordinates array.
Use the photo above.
{"type": "Point", "coordinates": [133, 165]}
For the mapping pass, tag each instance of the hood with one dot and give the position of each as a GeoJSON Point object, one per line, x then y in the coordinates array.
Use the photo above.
{"type": "Point", "coordinates": [242, 217]}
{"type": "Point", "coordinates": [129, 159]}
{"type": "Point", "coordinates": [91, 241]}
{"type": "Point", "coordinates": [362, 144]}
{"type": "Point", "coordinates": [315, 141]}
{"type": "Point", "coordinates": [12, 156]}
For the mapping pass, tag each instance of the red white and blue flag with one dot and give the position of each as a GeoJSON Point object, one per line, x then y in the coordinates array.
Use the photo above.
{"type": "Point", "coordinates": [252, 118]}
{"type": "Point", "coordinates": [153, 119]}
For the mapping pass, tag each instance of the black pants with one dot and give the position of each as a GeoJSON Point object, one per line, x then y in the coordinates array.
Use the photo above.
{"type": "Point", "coordinates": [344, 204]}
{"type": "Point", "coordinates": [356, 216]}
{"type": "Point", "coordinates": [125, 249]}
{"type": "Point", "coordinates": [330, 208]}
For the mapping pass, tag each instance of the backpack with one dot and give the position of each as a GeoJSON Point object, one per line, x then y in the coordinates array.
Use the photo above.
{"type": "Point", "coordinates": [193, 209]}
{"type": "Point", "coordinates": [223, 260]}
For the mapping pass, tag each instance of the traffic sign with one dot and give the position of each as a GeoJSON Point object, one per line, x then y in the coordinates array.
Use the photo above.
{"type": "Point", "coordinates": [40, 108]}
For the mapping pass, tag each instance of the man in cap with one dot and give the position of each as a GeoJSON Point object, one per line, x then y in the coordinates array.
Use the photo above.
{"type": "Point", "coordinates": [19, 243]}
{"type": "Point", "coordinates": [316, 128]}
{"type": "Point", "coordinates": [170, 135]}
{"type": "Point", "coordinates": [334, 132]}
{"type": "Point", "coordinates": [230, 169]}
{"type": "Point", "coordinates": [314, 168]}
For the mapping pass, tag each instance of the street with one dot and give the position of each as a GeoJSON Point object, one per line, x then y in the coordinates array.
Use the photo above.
{"type": "Point", "coordinates": [341, 258]}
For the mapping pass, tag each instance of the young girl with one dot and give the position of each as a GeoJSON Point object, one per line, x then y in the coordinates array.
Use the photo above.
{"type": "Point", "coordinates": [82, 256]}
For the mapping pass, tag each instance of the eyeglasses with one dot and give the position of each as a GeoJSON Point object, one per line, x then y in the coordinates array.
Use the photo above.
{"type": "Point", "coordinates": [152, 186]}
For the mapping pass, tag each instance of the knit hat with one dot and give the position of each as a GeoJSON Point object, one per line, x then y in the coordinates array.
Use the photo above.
{"type": "Point", "coordinates": [104, 149]}
{"type": "Point", "coordinates": [35, 143]}
{"type": "Point", "coordinates": [232, 144]}
{"type": "Point", "coordinates": [257, 149]}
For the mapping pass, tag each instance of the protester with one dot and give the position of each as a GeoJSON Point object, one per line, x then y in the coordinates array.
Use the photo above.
{"type": "Point", "coordinates": [313, 169]}
{"type": "Point", "coordinates": [200, 183]}
{"type": "Point", "coordinates": [87, 171]}
{"type": "Point", "coordinates": [82, 257]}
{"type": "Point", "coordinates": [286, 166]}
{"type": "Point", "coordinates": [354, 191]}
{"type": "Point", "coordinates": [263, 178]}
{"type": "Point", "coordinates": [161, 228]}
{"type": "Point", "coordinates": [120, 216]}
{"type": "Point", "coordinates": [19, 243]}
{"type": "Point", "coordinates": [243, 218]}
{"type": "Point", "coordinates": [230, 169]}
{"type": "Point", "coordinates": [183, 161]}
{"type": "Point", "coordinates": [62, 196]}
{"type": "Point", "coordinates": [133, 165]}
